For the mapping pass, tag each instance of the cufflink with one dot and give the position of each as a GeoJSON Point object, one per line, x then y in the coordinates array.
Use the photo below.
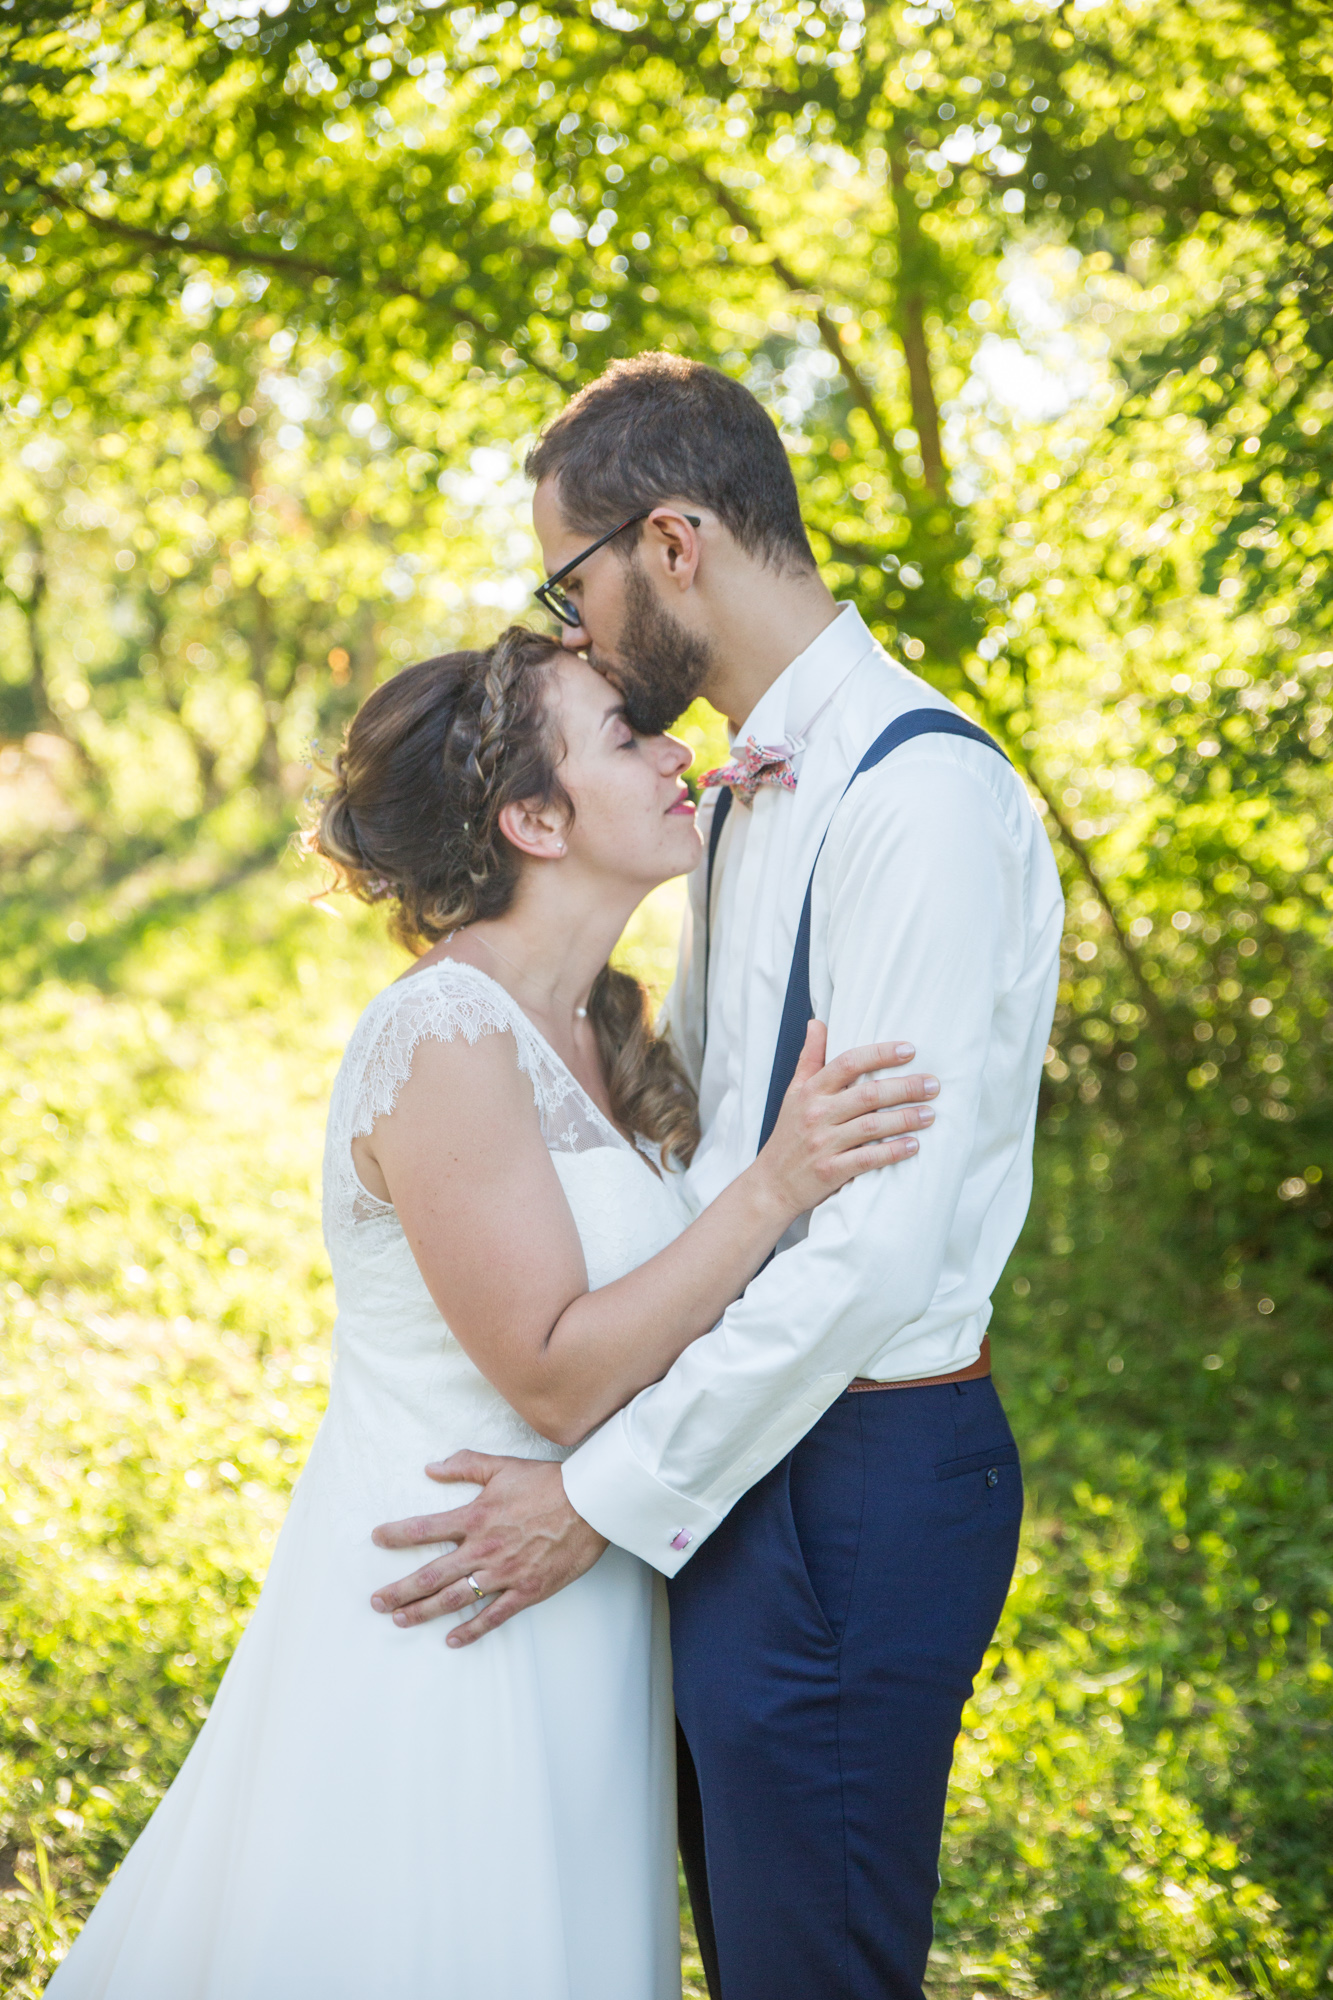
{"type": "Point", "coordinates": [681, 1539]}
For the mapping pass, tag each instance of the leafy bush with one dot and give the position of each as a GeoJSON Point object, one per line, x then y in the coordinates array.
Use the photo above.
{"type": "Point", "coordinates": [1142, 1797]}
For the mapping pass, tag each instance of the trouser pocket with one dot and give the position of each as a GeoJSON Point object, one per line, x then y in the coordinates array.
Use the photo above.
{"type": "Point", "coordinates": [995, 1472]}
{"type": "Point", "coordinates": [826, 1491]}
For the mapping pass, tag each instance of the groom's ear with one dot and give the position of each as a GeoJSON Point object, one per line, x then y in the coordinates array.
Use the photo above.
{"type": "Point", "coordinates": [672, 542]}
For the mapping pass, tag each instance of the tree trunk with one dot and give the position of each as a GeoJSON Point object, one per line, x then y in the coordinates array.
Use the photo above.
{"type": "Point", "coordinates": [365, 651]}
{"type": "Point", "coordinates": [267, 765]}
{"type": "Point", "coordinates": [912, 334]}
{"type": "Point", "coordinates": [31, 608]}
{"type": "Point", "coordinates": [174, 695]}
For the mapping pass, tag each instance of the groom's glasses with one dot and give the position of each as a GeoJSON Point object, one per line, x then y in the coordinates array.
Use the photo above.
{"type": "Point", "coordinates": [549, 594]}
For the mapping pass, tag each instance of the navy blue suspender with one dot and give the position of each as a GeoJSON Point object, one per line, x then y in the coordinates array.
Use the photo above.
{"type": "Point", "coordinates": [797, 1007]}
{"type": "Point", "coordinates": [721, 807]}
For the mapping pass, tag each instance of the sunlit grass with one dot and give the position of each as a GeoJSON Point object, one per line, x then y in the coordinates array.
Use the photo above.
{"type": "Point", "coordinates": [1142, 1796]}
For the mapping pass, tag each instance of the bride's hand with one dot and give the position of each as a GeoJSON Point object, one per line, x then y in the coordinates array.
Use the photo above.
{"type": "Point", "coordinates": [839, 1120]}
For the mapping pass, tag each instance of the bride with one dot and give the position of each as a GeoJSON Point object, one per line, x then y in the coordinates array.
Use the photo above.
{"type": "Point", "coordinates": [371, 1813]}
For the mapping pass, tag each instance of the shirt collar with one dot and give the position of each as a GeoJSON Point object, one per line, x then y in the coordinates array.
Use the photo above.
{"type": "Point", "coordinates": [796, 697]}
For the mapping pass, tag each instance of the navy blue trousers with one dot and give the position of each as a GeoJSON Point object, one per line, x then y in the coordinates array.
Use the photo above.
{"type": "Point", "coordinates": [825, 1639]}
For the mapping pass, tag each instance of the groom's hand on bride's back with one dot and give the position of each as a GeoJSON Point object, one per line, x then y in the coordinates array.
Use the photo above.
{"type": "Point", "coordinates": [519, 1539]}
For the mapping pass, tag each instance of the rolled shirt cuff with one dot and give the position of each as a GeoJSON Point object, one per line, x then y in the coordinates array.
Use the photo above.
{"type": "Point", "coordinates": [618, 1496]}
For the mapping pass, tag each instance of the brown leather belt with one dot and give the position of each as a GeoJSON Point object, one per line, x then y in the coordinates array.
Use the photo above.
{"type": "Point", "coordinates": [974, 1369]}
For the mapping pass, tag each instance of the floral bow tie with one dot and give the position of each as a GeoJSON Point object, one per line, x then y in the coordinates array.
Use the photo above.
{"type": "Point", "coordinates": [755, 764]}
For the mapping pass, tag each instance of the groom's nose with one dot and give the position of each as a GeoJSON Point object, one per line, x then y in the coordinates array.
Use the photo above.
{"type": "Point", "coordinates": [577, 637]}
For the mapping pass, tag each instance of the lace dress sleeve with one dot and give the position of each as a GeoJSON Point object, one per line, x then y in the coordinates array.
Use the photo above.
{"type": "Point", "coordinates": [444, 1001]}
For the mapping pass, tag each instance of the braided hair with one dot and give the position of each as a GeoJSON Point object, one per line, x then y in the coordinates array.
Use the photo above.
{"type": "Point", "coordinates": [429, 762]}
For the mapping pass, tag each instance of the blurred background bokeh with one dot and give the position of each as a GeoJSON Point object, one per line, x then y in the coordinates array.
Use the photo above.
{"type": "Point", "coordinates": [1039, 296]}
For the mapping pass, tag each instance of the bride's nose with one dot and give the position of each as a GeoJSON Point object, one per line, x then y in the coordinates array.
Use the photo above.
{"type": "Point", "coordinates": [678, 757]}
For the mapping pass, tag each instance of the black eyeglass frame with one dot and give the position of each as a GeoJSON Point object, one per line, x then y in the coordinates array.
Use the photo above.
{"type": "Point", "coordinates": [553, 599]}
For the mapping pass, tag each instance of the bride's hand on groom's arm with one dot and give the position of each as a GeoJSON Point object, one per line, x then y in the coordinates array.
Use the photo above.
{"type": "Point", "coordinates": [840, 1119]}
{"type": "Point", "coordinates": [519, 1538]}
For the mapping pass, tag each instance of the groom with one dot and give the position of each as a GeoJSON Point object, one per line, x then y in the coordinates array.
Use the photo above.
{"type": "Point", "coordinates": [827, 1479]}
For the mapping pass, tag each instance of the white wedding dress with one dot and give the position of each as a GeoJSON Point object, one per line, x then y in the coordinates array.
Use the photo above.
{"type": "Point", "coordinates": [368, 1814]}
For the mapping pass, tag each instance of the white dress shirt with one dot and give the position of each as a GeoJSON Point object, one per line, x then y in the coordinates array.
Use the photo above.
{"type": "Point", "coordinates": [937, 917]}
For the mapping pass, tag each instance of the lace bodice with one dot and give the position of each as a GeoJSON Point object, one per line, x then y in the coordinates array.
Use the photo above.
{"type": "Point", "coordinates": [446, 1000]}
{"type": "Point", "coordinates": [403, 1390]}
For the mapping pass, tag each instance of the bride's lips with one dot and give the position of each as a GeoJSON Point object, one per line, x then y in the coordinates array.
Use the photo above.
{"type": "Point", "coordinates": [683, 805]}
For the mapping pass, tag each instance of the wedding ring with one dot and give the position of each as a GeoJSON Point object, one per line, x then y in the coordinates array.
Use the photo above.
{"type": "Point", "coordinates": [474, 1587]}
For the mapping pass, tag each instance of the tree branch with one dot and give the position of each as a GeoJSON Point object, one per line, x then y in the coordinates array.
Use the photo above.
{"type": "Point", "coordinates": [1087, 867]}
{"type": "Point", "coordinates": [300, 267]}
{"type": "Point", "coordinates": [859, 553]}
{"type": "Point", "coordinates": [857, 386]}
{"type": "Point", "coordinates": [51, 305]}
{"type": "Point", "coordinates": [912, 332]}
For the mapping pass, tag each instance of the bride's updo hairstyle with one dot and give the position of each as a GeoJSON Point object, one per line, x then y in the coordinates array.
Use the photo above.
{"type": "Point", "coordinates": [429, 762]}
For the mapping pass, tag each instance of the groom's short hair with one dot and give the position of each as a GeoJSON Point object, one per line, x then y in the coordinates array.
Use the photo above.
{"type": "Point", "coordinates": [661, 428]}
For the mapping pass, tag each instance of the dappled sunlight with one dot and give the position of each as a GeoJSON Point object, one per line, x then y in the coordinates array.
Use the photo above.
{"type": "Point", "coordinates": [1039, 299]}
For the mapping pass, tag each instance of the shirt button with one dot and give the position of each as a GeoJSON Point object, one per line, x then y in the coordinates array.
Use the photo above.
{"type": "Point", "coordinates": [993, 1477]}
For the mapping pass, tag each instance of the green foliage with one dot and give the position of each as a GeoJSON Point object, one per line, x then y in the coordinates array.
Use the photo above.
{"type": "Point", "coordinates": [290, 288]}
{"type": "Point", "coordinates": [1039, 297]}
{"type": "Point", "coordinates": [1144, 1787]}
{"type": "Point", "coordinates": [1142, 1798]}
{"type": "Point", "coordinates": [518, 195]}
{"type": "Point", "coordinates": [226, 587]}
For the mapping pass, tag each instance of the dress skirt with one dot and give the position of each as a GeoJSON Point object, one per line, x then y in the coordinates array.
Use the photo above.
{"type": "Point", "coordinates": [368, 1814]}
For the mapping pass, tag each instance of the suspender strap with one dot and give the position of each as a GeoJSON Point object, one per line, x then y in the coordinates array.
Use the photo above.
{"type": "Point", "coordinates": [721, 807]}
{"type": "Point", "coordinates": [798, 1008]}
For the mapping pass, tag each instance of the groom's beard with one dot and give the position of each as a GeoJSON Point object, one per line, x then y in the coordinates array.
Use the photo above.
{"type": "Point", "coordinates": [662, 667]}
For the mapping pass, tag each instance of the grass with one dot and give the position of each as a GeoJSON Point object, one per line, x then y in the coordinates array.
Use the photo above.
{"type": "Point", "coordinates": [1142, 1802]}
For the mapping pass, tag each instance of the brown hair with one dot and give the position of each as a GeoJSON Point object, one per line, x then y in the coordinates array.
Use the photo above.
{"type": "Point", "coordinates": [429, 762]}
{"type": "Point", "coordinates": [659, 428]}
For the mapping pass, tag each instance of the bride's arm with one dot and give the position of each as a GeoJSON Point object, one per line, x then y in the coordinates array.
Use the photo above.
{"type": "Point", "coordinates": [463, 1161]}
